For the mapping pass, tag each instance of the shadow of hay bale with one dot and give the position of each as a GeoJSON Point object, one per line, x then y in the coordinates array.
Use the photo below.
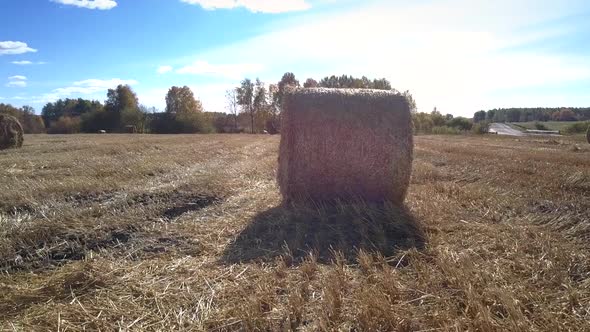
{"type": "Point", "coordinates": [297, 231]}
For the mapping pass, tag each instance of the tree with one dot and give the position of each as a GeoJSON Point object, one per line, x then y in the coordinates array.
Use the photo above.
{"type": "Point", "coordinates": [381, 84]}
{"type": "Point", "coordinates": [133, 117]}
{"type": "Point", "coordinates": [65, 125]}
{"type": "Point", "coordinates": [273, 124]}
{"type": "Point", "coordinates": [438, 119]}
{"type": "Point", "coordinates": [121, 101]}
{"type": "Point", "coordinates": [262, 108]}
{"type": "Point", "coordinates": [491, 115]}
{"type": "Point", "coordinates": [513, 115]}
{"type": "Point", "coordinates": [182, 100]}
{"type": "Point", "coordinates": [479, 116]}
{"type": "Point", "coordinates": [276, 95]}
{"type": "Point", "coordinates": [246, 99]}
{"type": "Point", "coordinates": [31, 123]}
{"type": "Point", "coordinates": [287, 80]}
{"type": "Point", "coordinates": [231, 96]}
{"type": "Point", "coordinates": [351, 82]}
{"type": "Point", "coordinates": [185, 110]}
{"type": "Point", "coordinates": [310, 83]}
{"type": "Point", "coordinates": [73, 108]}
{"type": "Point", "coordinates": [565, 115]}
{"type": "Point", "coordinates": [460, 123]}
{"type": "Point", "coordinates": [422, 122]}
{"type": "Point", "coordinates": [266, 110]}
{"type": "Point", "coordinates": [411, 101]}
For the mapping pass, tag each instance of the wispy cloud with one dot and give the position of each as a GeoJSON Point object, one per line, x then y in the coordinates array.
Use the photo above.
{"type": "Point", "coordinates": [231, 71]}
{"type": "Point", "coordinates": [27, 63]}
{"type": "Point", "coordinates": [164, 69]}
{"type": "Point", "coordinates": [89, 86]}
{"type": "Point", "coordinates": [261, 6]}
{"type": "Point", "coordinates": [15, 47]}
{"type": "Point", "coordinates": [90, 4]}
{"type": "Point", "coordinates": [16, 84]}
{"type": "Point", "coordinates": [17, 81]}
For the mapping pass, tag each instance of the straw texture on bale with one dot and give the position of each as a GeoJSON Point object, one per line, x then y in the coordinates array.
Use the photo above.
{"type": "Point", "coordinates": [11, 132]}
{"type": "Point", "coordinates": [345, 144]}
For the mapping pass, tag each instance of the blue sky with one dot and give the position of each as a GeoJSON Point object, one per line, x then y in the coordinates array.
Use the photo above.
{"type": "Point", "coordinates": [457, 55]}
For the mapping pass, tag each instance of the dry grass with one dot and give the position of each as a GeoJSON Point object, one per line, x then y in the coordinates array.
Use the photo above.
{"type": "Point", "coordinates": [132, 232]}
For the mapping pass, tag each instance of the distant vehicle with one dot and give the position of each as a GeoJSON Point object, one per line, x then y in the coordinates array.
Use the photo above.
{"type": "Point", "coordinates": [102, 131]}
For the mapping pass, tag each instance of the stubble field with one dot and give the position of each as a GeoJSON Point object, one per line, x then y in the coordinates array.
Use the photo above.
{"type": "Point", "coordinates": [187, 232]}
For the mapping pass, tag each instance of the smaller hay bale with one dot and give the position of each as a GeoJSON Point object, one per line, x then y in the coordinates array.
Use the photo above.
{"type": "Point", "coordinates": [11, 132]}
{"type": "Point", "coordinates": [345, 145]}
{"type": "Point", "coordinates": [588, 134]}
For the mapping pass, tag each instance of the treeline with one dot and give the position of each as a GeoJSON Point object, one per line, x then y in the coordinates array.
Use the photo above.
{"type": "Point", "coordinates": [262, 103]}
{"type": "Point", "coordinates": [121, 112]}
{"type": "Point", "coordinates": [32, 124]}
{"type": "Point", "coordinates": [437, 123]}
{"type": "Point", "coordinates": [253, 107]}
{"type": "Point", "coordinates": [533, 114]}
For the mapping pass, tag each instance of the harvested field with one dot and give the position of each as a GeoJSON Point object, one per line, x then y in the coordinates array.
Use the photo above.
{"type": "Point", "coordinates": [186, 232]}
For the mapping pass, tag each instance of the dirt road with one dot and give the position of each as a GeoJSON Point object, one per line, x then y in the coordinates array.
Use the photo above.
{"type": "Point", "coordinates": [504, 129]}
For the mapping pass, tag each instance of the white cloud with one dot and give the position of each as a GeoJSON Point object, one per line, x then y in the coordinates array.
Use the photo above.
{"type": "Point", "coordinates": [91, 86]}
{"type": "Point", "coordinates": [17, 81]}
{"type": "Point", "coordinates": [22, 63]}
{"type": "Point", "coordinates": [15, 47]}
{"type": "Point", "coordinates": [262, 6]}
{"type": "Point", "coordinates": [90, 4]}
{"type": "Point", "coordinates": [164, 69]}
{"type": "Point", "coordinates": [232, 71]}
{"type": "Point", "coordinates": [27, 63]}
{"type": "Point", "coordinates": [452, 54]}
{"type": "Point", "coordinates": [16, 84]}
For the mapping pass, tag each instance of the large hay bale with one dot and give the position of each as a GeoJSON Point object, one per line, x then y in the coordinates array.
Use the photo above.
{"type": "Point", "coordinates": [11, 132]}
{"type": "Point", "coordinates": [588, 134]}
{"type": "Point", "coordinates": [344, 144]}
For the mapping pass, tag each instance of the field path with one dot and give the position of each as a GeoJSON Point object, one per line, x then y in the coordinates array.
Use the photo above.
{"type": "Point", "coordinates": [504, 129]}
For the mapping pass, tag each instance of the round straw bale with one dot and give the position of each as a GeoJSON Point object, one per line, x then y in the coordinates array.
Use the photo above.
{"type": "Point", "coordinates": [344, 145]}
{"type": "Point", "coordinates": [588, 134]}
{"type": "Point", "coordinates": [11, 132]}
